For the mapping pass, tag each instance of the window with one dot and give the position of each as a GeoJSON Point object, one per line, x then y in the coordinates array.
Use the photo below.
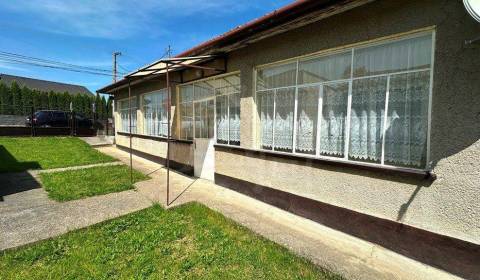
{"type": "Point", "coordinates": [125, 117]}
{"type": "Point", "coordinates": [368, 103]}
{"type": "Point", "coordinates": [227, 91]}
{"type": "Point", "coordinates": [155, 109]}
{"type": "Point", "coordinates": [211, 107]}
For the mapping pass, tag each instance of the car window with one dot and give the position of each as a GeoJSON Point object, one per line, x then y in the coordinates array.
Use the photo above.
{"type": "Point", "coordinates": [58, 115]}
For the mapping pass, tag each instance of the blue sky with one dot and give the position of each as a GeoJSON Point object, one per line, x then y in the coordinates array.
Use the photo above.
{"type": "Point", "coordinates": [87, 32]}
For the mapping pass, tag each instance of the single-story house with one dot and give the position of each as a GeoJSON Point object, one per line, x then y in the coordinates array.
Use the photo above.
{"type": "Point", "coordinates": [360, 115]}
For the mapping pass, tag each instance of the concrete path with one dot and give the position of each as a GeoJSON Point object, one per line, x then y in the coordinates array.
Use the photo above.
{"type": "Point", "coordinates": [98, 141]}
{"type": "Point", "coordinates": [28, 215]}
{"type": "Point", "coordinates": [334, 250]}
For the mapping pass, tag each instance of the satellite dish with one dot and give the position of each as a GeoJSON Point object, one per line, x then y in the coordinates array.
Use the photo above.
{"type": "Point", "coordinates": [473, 8]}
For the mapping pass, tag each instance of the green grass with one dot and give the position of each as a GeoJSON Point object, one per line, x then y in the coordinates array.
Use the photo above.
{"type": "Point", "coordinates": [188, 242]}
{"type": "Point", "coordinates": [75, 184]}
{"type": "Point", "coordinates": [23, 153]}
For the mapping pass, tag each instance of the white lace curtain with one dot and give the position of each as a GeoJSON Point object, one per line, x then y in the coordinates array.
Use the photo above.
{"type": "Point", "coordinates": [222, 119]}
{"type": "Point", "coordinates": [334, 117]}
{"type": "Point", "coordinates": [366, 122]}
{"type": "Point", "coordinates": [407, 120]}
{"type": "Point", "coordinates": [234, 119]}
{"type": "Point", "coordinates": [265, 105]}
{"type": "Point", "coordinates": [307, 120]}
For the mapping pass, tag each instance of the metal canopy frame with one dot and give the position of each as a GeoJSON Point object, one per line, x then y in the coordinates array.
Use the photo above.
{"type": "Point", "coordinates": [165, 66]}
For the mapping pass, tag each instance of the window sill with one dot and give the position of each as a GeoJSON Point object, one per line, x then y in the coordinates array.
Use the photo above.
{"type": "Point", "coordinates": [411, 172]}
{"type": "Point", "coordinates": [156, 138]}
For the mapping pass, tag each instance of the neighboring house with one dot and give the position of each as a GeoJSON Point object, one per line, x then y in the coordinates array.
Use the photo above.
{"type": "Point", "coordinates": [360, 115]}
{"type": "Point", "coordinates": [44, 86]}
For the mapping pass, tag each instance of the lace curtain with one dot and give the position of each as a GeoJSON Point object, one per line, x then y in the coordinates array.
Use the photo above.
{"type": "Point", "coordinates": [234, 119]}
{"type": "Point", "coordinates": [222, 119]}
{"type": "Point", "coordinates": [284, 108]}
{"type": "Point", "coordinates": [265, 106]}
{"type": "Point", "coordinates": [333, 123]}
{"type": "Point", "coordinates": [366, 122]}
{"type": "Point", "coordinates": [307, 120]}
{"type": "Point", "coordinates": [407, 119]}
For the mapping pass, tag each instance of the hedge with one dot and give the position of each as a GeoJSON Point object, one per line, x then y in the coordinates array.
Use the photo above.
{"type": "Point", "coordinates": [19, 101]}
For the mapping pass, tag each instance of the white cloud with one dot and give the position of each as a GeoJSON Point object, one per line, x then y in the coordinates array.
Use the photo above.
{"type": "Point", "coordinates": [9, 66]}
{"type": "Point", "coordinates": [116, 19]}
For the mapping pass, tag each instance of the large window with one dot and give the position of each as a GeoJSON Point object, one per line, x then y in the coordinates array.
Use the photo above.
{"type": "Point", "coordinates": [128, 115]}
{"type": "Point", "coordinates": [155, 108]}
{"type": "Point", "coordinates": [368, 103]}
{"type": "Point", "coordinates": [211, 107]}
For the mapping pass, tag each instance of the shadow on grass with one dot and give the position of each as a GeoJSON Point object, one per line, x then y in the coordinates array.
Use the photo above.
{"type": "Point", "coordinates": [17, 179]}
{"type": "Point", "coordinates": [8, 163]}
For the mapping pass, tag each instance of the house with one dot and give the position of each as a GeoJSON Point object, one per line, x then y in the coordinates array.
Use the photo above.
{"type": "Point", "coordinates": [360, 115]}
{"type": "Point", "coordinates": [44, 86]}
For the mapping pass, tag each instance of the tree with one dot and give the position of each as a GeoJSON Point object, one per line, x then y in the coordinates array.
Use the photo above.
{"type": "Point", "coordinates": [52, 100]}
{"type": "Point", "coordinates": [110, 108]}
{"type": "Point", "coordinates": [104, 112]}
{"type": "Point", "coordinates": [37, 99]}
{"type": "Point", "coordinates": [5, 99]}
{"type": "Point", "coordinates": [17, 98]}
{"type": "Point", "coordinates": [27, 100]}
{"type": "Point", "coordinates": [43, 100]}
{"type": "Point", "coordinates": [67, 98]}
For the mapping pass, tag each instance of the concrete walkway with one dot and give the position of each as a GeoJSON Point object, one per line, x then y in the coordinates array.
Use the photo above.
{"type": "Point", "coordinates": [334, 250]}
{"type": "Point", "coordinates": [27, 214]}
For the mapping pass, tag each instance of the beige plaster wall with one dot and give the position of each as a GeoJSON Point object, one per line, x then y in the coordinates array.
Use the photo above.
{"type": "Point", "coordinates": [451, 204]}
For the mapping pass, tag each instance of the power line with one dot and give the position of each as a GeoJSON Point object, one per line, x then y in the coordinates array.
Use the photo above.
{"type": "Point", "coordinates": [14, 58]}
{"type": "Point", "coordinates": [13, 61]}
{"type": "Point", "coordinates": [48, 61]}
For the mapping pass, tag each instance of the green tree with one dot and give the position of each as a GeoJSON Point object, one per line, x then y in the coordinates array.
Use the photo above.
{"type": "Point", "coordinates": [43, 100]}
{"type": "Point", "coordinates": [110, 108]}
{"type": "Point", "coordinates": [27, 100]}
{"type": "Point", "coordinates": [17, 98]}
{"type": "Point", "coordinates": [52, 100]}
{"type": "Point", "coordinates": [104, 111]}
{"type": "Point", "coordinates": [67, 98]}
{"type": "Point", "coordinates": [37, 99]}
{"type": "Point", "coordinates": [5, 99]}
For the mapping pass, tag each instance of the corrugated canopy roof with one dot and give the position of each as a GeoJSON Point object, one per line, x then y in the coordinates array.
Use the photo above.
{"type": "Point", "coordinates": [174, 64]}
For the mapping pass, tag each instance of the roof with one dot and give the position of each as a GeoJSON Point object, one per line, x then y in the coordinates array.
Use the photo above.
{"type": "Point", "coordinates": [291, 16]}
{"type": "Point", "coordinates": [43, 85]}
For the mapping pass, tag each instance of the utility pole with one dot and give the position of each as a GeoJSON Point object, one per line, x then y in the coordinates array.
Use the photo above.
{"type": "Point", "coordinates": [115, 54]}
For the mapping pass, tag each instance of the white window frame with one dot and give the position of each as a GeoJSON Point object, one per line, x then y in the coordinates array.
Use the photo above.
{"type": "Point", "coordinates": [214, 104]}
{"type": "Point", "coordinates": [162, 91]}
{"type": "Point", "coordinates": [380, 41]}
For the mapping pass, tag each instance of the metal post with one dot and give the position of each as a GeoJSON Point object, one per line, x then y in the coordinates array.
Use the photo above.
{"type": "Point", "coordinates": [115, 54]}
{"type": "Point", "coordinates": [130, 128]}
{"type": "Point", "coordinates": [168, 134]}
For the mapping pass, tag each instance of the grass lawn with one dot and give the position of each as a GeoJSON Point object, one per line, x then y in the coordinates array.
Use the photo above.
{"type": "Point", "coordinates": [75, 184]}
{"type": "Point", "coordinates": [23, 153]}
{"type": "Point", "coordinates": [188, 242]}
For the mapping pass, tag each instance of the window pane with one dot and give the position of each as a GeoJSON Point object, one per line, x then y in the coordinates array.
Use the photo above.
{"type": "Point", "coordinates": [284, 106]}
{"type": "Point", "coordinates": [307, 113]}
{"type": "Point", "coordinates": [227, 84]}
{"type": "Point", "coordinates": [222, 119]}
{"type": "Point", "coordinates": [265, 107]}
{"type": "Point", "coordinates": [234, 118]}
{"type": "Point", "coordinates": [203, 90]}
{"type": "Point", "coordinates": [334, 116]}
{"type": "Point", "coordinates": [366, 122]}
{"type": "Point", "coordinates": [322, 69]}
{"type": "Point", "coordinates": [407, 120]}
{"type": "Point", "coordinates": [185, 93]}
{"type": "Point", "coordinates": [210, 110]}
{"type": "Point", "coordinates": [198, 120]}
{"type": "Point", "coordinates": [408, 54]}
{"type": "Point", "coordinates": [277, 76]}
{"type": "Point", "coordinates": [186, 129]}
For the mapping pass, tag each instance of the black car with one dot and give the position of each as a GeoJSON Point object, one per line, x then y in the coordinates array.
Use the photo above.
{"type": "Point", "coordinates": [55, 118]}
